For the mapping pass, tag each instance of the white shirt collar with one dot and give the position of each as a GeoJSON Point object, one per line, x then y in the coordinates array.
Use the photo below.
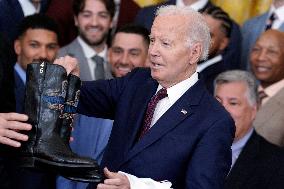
{"type": "Point", "coordinates": [176, 91]}
{"type": "Point", "coordinates": [89, 52]}
{"type": "Point", "coordinates": [195, 6]}
{"type": "Point", "coordinates": [28, 8]}
{"type": "Point", "coordinates": [209, 62]}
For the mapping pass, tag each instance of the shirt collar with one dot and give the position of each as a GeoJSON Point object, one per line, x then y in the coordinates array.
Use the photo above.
{"type": "Point", "coordinates": [21, 72]}
{"type": "Point", "coordinates": [272, 89]}
{"type": "Point", "coordinates": [279, 12]}
{"type": "Point", "coordinates": [238, 145]}
{"type": "Point", "coordinates": [176, 91]}
{"type": "Point", "coordinates": [28, 8]}
{"type": "Point", "coordinates": [209, 62]}
{"type": "Point", "coordinates": [195, 6]}
{"type": "Point", "coordinates": [88, 51]}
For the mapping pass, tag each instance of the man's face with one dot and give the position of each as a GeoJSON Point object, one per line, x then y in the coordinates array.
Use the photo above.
{"type": "Point", "coordinates": [233, 96]}
{"type": "Point", "coordinates": [94, 23]}
{"type": "Point", "coordinates": [171, 60]}
{"type": "Point", "coordinates": [36, 44]}
{"type": "Point", "coordinates": [127, 52]}
{"type": "Point", "coordinates": [267, 58]}
{"type": "Point", "coordinates": [219, 41]}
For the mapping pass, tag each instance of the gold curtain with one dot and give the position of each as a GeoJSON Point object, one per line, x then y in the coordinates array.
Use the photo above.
{"type": "Point", "coordinates": [143, 3]}
{"type": "Point", "coordinates": [241, 10]}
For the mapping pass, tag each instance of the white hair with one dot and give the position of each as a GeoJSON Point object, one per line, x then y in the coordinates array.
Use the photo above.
{"type": "Point", "coordinates": [198, 30]}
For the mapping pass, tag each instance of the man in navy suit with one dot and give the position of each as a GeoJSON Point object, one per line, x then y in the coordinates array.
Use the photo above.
{"type": "Point", "coordinates": [184, 138]}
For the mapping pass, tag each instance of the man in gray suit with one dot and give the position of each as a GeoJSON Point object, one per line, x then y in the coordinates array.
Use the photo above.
{"type": "Point", "coordinates": [267, 63]}
{"type": "Point", "coordinates": [251, 30]}
{"type": "Point", "coordinates": [94, 19]}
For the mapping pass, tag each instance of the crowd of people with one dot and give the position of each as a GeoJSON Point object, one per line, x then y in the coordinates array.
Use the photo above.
{"type": "Point", "coordinates": [180, 97]}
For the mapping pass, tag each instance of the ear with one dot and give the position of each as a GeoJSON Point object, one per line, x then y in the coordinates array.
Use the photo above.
{"type": "Point", "coordinates": [255, 108]}
{"type": "Point", "coordinates": [17, 47]}
{"type": "Point", "coordinates": [195, 53]}
{"type": "Point", "coordinates": [224, 43]}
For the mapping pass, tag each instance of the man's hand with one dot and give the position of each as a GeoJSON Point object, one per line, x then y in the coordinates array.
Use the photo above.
{"type": "Point", "coordinates": [69, 63]}
{"type": "Point", "coordinates": [10, 124]}
{"type": "Point", "coordinates": [114, 181]}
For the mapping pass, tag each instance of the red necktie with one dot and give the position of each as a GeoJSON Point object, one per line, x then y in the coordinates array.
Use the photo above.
{"type": "Point", "coordinates": [162, 93]}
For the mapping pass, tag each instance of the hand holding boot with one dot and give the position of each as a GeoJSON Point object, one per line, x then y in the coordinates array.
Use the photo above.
{"type": "Point", "coordinates": [10, 124]}
{"type": "Point", "coordinates": [70, 64]}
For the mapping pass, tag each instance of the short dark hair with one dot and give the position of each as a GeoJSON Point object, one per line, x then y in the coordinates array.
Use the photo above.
{"type": "Point", "coordinates": [134, 29]}
{"type": "Point", "coordinates": [219, 14]}
{"type": "Point", "coordinates": [37, 21]}
{"type": "Point", "coordinates": [79, 5]}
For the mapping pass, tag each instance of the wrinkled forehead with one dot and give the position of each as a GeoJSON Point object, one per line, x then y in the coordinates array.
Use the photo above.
{"type": "Point", "coordinates": [174, 24]}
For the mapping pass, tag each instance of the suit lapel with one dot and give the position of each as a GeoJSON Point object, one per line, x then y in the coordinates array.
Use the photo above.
{"type": "Point", "coordinates": [142, 97]}
{"type": "Point", "coordinates": [183, 108]}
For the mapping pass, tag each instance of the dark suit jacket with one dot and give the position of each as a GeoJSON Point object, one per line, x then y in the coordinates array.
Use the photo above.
{"type": "Point", "coordinates": [19, 93]}
{"type": "Point", "coordinates": [11, 15]}
{"type": "Point", "coordinates": [231, 54]}
{"type": "Point", "coordinates": [189, 145]}
{"type": "Point", "coordinates": [260, 165]}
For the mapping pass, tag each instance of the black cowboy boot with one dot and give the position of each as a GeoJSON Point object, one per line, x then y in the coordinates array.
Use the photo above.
{"type": "Point", "coordinates": [44, 103]}
{"type": "Point", "coordinates": [69, 111]}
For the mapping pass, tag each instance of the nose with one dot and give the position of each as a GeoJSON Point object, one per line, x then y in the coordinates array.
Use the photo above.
{"type": "Point", "coordinates": [124, 59]}
{"type": "Point", "coordinates": [95, 19]}
{"type": "Point", "coordinates": [153, 50]}
{"type": "Point", "coordinates": [43, 53]}
{"type": "Point", "coordinates": [261, 55]}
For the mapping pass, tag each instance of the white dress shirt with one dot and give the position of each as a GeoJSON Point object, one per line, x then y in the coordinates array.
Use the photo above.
{"type": "Point", "coordinates": [28, 8]}
{"type": "Point", "coordinates": [279, 20]}
{"type": "Point", "coordinates": [89, 53]}
{"type": "Point", "coordinates": [195, 6]}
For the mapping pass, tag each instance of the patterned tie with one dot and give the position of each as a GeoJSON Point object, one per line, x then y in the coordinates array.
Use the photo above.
{"type": "Point", "coordinates": [99, 69]}
{"type": "Point", "coordinates": [162, 93]}
{"type": "Point", "coordinates": [270, 21]}
{"type": "Point", "coordinates": [261, 95]}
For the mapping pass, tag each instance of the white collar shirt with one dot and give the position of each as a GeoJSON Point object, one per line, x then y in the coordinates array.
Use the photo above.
{"type": "Point", "coordinates": [195, 6]}
{"type": "Point", "coordinates": [28, 8]}
{"type": "Point", "coordinates": [89, 53]}
{"type": "Point", "coordinates": [174, 93]}
{"type": "Point", "coordinates": [279, 16]}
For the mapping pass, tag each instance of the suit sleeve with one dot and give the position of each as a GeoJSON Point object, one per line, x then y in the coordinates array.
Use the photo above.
{"type": "Point", "coordinates": [211, 159]}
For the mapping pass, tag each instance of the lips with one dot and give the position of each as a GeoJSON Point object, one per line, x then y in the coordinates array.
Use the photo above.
{"type": "Point", "coordinates": [262, 69]}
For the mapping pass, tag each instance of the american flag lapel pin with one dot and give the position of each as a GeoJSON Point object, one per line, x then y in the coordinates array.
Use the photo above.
{"type": "Point", "coordinates": [183, 111]}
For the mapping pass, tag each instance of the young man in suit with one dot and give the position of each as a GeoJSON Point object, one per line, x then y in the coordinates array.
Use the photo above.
{"type": "Point", "coordinates": [252, 29]}
{"type": "Point", "coordinates": [166, 124]}
{"type": "Point", "coordinates": [256, 163]}
{"type": "Point", "coordinates": [37, 39]}
{"type": "Point", "coordinates": [231, 55]}
{"type": "Point", "coordinates": [267, 63]}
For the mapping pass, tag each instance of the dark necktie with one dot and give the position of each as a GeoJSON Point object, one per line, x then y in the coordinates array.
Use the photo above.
{"type": "Point", "coordinates": [261, 95]}
{"type": "Point", "coordinates": [99, 69]}
{"type": "Point", "coordinates": [270, 21]}
{"type": "Point", "coordinates": [162, 93]}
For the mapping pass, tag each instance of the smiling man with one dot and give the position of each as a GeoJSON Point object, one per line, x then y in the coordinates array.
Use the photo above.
{"type": "Point", "coordinates": [166, 124]}
{"type": "Point", "coordinates": [129, 49]}
{"type": "Point", "coordinates": [267, 63]}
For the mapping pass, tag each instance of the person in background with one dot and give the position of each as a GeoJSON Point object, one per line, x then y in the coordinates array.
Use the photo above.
{"type": "Point", "coordinates": [158, 133]}
{"type": "Point", "coordinates": [256, 163]}
{"type": "Point", "coordinates": [254, 27]}
{"type": "Point", "coordinates": [37, 39]}
{"type": "Point", "coordinates": [267, 64]}
{"type": "Point", "coordinates": [129, 49]}
{"type": "Point", "coordinates": [220, 26]}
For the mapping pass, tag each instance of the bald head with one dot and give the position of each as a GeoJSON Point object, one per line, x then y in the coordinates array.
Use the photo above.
{"type": "Point", "coordinates": [267, 57]}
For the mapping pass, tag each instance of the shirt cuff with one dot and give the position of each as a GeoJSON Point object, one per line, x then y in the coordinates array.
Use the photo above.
{"type": "Point", "coordinates": [146, 183]}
